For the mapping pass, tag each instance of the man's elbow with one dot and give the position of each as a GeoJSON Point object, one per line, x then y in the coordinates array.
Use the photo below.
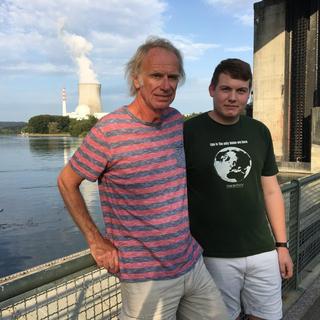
{"type": "Point", "coordinates": [68, 180]}
{"type": "Point", "coordinates": [62, 182]}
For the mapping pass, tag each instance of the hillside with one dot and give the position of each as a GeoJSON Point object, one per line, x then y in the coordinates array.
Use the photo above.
{"type": "Point", "coordinates": [11, 127]}
{"type": "Point", "coordinates": [10, 124]}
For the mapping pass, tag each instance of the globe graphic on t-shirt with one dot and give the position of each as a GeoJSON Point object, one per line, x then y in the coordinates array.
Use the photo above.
{"type": "Point", "coordinates": [232, 164]}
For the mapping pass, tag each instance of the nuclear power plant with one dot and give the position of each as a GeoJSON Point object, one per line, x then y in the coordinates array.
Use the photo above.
{"type": "Point", "coordinates": [89, 102]}
{"type": "Point", "coordinates": [90, 95]}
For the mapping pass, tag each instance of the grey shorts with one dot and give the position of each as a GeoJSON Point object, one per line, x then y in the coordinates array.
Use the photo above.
{"type": "Point", "coordinates": [191, 296]}
{"type": "Point", "coordinates": [253, 281]}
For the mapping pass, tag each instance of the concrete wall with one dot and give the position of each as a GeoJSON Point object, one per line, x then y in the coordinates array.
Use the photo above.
{"type": "Point", "coordinates": [315, 140]}
{"type": "Point", "coordinates": [312, 64]}
{"type": "Point", "coordinates": [270, 73]}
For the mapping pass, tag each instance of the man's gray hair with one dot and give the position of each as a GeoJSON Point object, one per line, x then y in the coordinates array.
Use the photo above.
{"type": "Point", "coordinates": [133, 67]}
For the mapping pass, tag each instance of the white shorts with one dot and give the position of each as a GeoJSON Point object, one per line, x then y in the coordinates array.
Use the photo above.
{"type": "Point", "coordinates": [253, 282]}
{"type": "Point", "coordinates": [191, 296]}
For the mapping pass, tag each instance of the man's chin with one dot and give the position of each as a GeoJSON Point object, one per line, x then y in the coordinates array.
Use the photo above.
{"type": "Point", "coordinates": [161, 106]}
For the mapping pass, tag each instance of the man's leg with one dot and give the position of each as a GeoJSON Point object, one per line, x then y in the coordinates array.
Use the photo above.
{"type": "Point", "coordinates": [151, 299]}
{"type": "Point", "coordinates": [202, 298]}
{"type": "Point", "coordinates": [262, 290]}
{"type": "Point", "coordinates": [228, 275]}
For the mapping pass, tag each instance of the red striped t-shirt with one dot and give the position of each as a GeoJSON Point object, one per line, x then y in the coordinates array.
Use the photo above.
{"type": "Point", "coordinates": [140, 168]}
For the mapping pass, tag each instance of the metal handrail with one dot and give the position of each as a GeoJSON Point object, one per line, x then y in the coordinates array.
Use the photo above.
{"type": "Point", "coordinates": [21, 285]}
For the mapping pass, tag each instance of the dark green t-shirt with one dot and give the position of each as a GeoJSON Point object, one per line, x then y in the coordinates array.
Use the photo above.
{"type": "Point", "coordinates": [224, 168]}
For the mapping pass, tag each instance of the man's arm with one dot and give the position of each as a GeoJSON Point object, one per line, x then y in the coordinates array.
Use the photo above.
{"type": "Point", "coordinates": [276, 214]}
{"type": "Point", "coordinates": [102, 250]}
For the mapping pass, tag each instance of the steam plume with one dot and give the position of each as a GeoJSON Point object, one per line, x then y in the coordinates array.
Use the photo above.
{"type": "Point", "coordinates": [79, 48]}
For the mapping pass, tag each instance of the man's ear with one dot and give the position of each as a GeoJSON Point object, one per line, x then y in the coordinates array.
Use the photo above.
{"type": "Point", "coordinates": [137, 81]}
{"type": "Point", "coordinates": [211, 90]}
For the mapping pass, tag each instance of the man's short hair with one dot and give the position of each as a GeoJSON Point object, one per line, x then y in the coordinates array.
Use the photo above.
{"type": "Point", "coordinates": [133, 67]}
{"type": "Point", "coordinates": [235, 68]}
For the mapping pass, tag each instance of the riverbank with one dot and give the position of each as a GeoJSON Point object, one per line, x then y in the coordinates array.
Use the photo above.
{"type": "Point", "coordinates": [66, 134]}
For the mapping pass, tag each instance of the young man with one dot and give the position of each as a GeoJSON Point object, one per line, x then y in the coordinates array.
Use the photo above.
{"type": "Point", "coordinates": [136, 154]}
{"type": "Point", "coordinates": [231, 173]}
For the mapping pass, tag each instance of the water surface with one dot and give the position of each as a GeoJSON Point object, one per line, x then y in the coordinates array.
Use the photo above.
{"type": "Point", "coordinates": [34, 224]}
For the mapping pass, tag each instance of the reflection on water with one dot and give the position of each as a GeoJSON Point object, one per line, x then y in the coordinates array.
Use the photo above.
{"type": "Point", "coordinates": [34, 224]}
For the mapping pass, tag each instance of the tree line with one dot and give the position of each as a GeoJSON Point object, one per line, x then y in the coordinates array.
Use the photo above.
{"type": "Point", "coordinates": [51, 124]}
{"type": "Point", "coordinates": [11, 127]}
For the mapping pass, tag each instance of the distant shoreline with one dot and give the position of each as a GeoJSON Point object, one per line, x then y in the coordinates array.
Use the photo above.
{"type": "Point", "coordinates": [45, 134]}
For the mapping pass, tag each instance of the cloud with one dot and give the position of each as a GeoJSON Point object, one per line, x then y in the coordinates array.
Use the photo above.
{"type": "Point", "coordinates": [239, 49]}
{"type": "Point", "coordinates": [191, 50]}
{"type": "Point", "coordinates": [231, 4]}
{"type": "Point", "coordinates": [245, 19]}
{"type": "Point", "coordinates": [30, 33]}
{"type": "Point", "coordinates": [243, 15]}
{"type": "Point", "coordinates": [40, 68]}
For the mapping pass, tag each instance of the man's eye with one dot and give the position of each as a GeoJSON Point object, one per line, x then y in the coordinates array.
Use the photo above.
{"type": "Point", "coordinates": [157, 75]}
{"type": "Point", "coordinates": [174, 77]}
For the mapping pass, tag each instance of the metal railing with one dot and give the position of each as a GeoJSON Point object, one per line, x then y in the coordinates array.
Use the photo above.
{"type": "Point", "coordinates": [71, 289]}
{"type": "Point", "coordinates": [77, 289]}
{"type": "Point", "coordinates": [302, 200]}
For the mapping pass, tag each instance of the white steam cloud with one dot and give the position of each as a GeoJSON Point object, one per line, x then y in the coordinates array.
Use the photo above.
{"type": "Point", "coordinates": [79, 49]}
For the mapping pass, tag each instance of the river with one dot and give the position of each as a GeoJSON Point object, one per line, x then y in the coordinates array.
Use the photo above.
{"type": "Point", "coordinates": [34, 225]}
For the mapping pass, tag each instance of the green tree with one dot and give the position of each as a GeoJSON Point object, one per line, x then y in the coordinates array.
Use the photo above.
{"type": "Point", "coordinates": [39, 124]}
{"type": "Point", "coordinates": [191, 115]}
{"type": "Point", "coordinates": [53, 127]}
{"type": "Point", "coordinates": [79, 128]}
{"type": "Point", "coordinates": [63, 123]}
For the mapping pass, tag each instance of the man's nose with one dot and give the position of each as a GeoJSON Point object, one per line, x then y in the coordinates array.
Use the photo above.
{"type": "Point", "coordinates": [165, 83]}
{"type": "Point", "coordinates": [232, 95]}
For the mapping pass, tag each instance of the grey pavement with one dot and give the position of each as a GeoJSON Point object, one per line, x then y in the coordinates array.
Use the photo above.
{"type": "Point", "coordinates": [304, 303]}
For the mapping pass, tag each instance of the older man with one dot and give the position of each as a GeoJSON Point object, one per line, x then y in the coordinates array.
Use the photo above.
{"type": "Point", "coordinates": [136, 154]}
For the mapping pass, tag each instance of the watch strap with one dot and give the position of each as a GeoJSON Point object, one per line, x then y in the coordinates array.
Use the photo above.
{"type": "Point", "coordinates": [282, 244]}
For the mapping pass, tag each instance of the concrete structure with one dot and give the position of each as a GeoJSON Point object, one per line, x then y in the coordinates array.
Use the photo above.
{"type": "Point", "coordinates": [90, 95]}
{"type": "Point", "coordinates": [315, 140]}
{"type": "Point", "coordinates": [89, 102]}
{"type": "Point", "coordinates": [286, 77]}
{"type": "Point", "coordinates": [269, 67]}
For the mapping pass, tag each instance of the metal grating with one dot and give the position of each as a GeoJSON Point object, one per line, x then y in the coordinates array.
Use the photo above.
{"type": "Point", "coordinates": [299, 24]}
{"type": "Point", "coordinates": [92, 293]}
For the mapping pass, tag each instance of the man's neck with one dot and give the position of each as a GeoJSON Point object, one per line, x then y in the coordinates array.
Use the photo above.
{"type": "Point", "coordinates": [142, 112]}
{"type": "Point", "coordinates": [225, 121]}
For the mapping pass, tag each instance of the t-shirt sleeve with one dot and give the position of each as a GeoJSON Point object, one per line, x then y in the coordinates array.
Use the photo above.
{"type": "Point", "coordinates": [270, 167]}
{"type": "Point", "coordinates": [92, 157]}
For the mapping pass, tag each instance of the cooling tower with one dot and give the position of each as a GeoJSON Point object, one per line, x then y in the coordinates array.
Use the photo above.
{"type": "Point", "coordinates": [89, 94]}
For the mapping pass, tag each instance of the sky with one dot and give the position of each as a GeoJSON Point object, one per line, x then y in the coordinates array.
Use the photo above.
{"type": "Point", "coordinates": [44, 45]}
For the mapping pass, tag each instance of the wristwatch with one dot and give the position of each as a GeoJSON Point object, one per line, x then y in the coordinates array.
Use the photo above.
{"type": "Point", "coordinates": [282, 244]}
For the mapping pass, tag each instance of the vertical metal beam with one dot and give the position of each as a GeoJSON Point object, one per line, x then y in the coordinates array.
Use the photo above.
{"type": "Point", "coordinates": [299, 22]}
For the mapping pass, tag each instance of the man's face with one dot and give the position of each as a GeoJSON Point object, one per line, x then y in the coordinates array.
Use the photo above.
{"type": "Point", "coordinates": [158, 79]}
{"type": "Point", "coordinates": [230, 97]}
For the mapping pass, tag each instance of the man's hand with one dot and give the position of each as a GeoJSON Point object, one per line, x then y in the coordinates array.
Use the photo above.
{"type": "Point", "coordinates": [285, 263]}
{"type": "Point", "coordinates": [105, 254]}
{"type": "Point", "coordinates": [102, 250]}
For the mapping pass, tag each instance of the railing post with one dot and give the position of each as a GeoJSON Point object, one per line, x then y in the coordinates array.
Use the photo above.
{"type": "Point", "coordinates": [296, 203]}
